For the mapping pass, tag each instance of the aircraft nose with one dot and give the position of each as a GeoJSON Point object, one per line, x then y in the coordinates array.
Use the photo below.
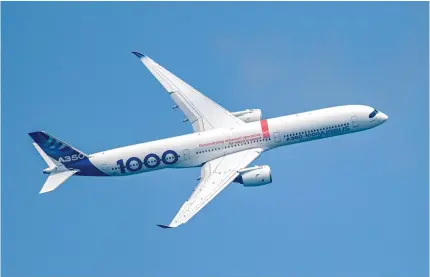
{"type": "Point", "coordinates": [383, 117]}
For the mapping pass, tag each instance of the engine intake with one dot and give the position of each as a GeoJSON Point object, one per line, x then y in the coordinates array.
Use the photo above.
{"type": "Point", "coordinates": [249, 115]}
{"type": "Point", "coordinates": [255, 176]}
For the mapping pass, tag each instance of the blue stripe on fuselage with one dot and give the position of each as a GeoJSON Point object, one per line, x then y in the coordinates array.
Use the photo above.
{"type": "Point", "coordinates": [86, 168]}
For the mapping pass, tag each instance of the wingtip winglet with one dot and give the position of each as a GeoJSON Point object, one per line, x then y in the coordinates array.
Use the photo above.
{"type": "Point", "coordinates": [139, 55]}
{"type": "Point", "coordinates": [164, 226]}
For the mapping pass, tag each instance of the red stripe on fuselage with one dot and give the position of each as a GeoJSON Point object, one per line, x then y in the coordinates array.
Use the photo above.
{"type": "Point", "coordinates": [265, 128]}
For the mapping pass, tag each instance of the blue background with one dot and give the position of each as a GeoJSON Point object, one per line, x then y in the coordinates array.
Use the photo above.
{"type": "Point", "coordinates": [353, 205]}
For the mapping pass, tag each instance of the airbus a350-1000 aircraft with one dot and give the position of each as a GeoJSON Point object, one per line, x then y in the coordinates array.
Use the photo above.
{"type": "Point", "coordinates": [224, 143]}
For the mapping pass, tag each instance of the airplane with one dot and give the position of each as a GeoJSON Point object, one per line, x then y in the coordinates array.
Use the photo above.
{"type": "Point", "coordinates": [223, 143]}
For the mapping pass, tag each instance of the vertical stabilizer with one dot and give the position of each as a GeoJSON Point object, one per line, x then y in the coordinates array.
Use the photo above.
{"type": "Point", "coordinates": [56, 149]}
{"type": "Point", "coordinates": [50, 161]}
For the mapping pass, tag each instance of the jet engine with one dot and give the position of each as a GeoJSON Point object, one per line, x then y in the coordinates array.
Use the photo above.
{"type": "Point", "coordinates": [249, 115]}
{"type": "Point", "coordinates": [255, 176]}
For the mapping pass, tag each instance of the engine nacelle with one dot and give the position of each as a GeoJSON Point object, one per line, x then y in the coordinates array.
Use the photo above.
{"type": "Point", "coordinates": [249, 115]}
{"type": "Point", "coordinates": [255, 176]}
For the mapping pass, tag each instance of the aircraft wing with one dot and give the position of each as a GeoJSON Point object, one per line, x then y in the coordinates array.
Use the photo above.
{"type": "Point", "coordinates": [203, 113]}
{"type": "Point", "coordinates": [215, 176]}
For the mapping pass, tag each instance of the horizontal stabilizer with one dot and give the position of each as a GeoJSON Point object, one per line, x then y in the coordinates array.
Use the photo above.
{"type": "Point", "coordinates": [56, 179]}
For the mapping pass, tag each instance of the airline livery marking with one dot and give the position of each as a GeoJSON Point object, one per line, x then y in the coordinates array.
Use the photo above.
{"type": "Point", "coordinates": [321, 133]}
{"type": "Point", "coordinates": [241, 139]}
{"type": "Point", "coordinates": [71, 158]}
{"type": "Point", "coordinates": [151, 160]}
{"type": "Point", "coordinates": [265, 128]}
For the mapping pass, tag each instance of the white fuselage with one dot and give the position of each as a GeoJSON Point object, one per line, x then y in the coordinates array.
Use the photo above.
{"type": "Point", "coordinates": [197, 148]}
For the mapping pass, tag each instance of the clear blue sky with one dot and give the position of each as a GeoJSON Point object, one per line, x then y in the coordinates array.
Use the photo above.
{"type": "Point", "coordinates": [353, 205]}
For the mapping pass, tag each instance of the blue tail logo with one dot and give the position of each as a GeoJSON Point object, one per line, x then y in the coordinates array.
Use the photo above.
{"type": "Point", "coordinates": [57, 149]}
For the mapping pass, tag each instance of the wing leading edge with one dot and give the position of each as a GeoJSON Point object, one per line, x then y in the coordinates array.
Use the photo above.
{"type": "Point", "coordinates": [203, 113]}
{"type": "Point", "coordinates": [215, 176]}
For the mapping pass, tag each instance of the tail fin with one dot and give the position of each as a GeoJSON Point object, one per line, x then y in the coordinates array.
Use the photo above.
{"type": "Point", "coordinates": [55, 148]}
{"type": "Point", "coordinates": [55, 153]}
{"type": "Point", "coordinates": [49, 161]}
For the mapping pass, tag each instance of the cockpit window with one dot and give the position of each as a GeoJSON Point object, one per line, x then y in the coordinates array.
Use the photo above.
{"type": "Point", "coordinates": [372, 114]}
